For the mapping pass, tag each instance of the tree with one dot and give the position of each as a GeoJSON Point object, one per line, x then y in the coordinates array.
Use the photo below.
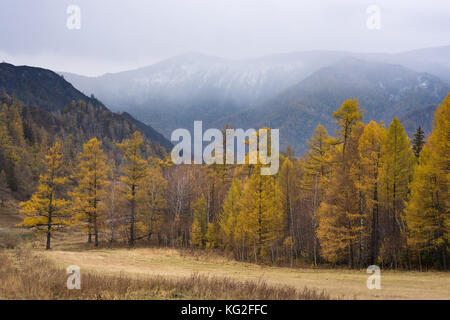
{"type": "Point", "coordinates": [318, 166]}
{"type": "Point", "coordinates": [151, 201]}
{"type": "Point", "coordinates": [418, 141]}
{"type": "Point", "coordinates": [288, 193]}
{"type": "Point", "coordinates": [5, 191]}
{"type": "Point", "coordinates": [396, 172]}
{"type": "Point", "coordinates": [47, 211]}
{"type": "Point", "coordinates": [427, 212]}
{"type": "Point", "coordinates": [136, 169]}
{"type": "Point", "coordinates": [230, 214]}
{"type": "Point", "coordinates": [369, 147]}
{"type": "Point", "coordinates": [264, 219]}
{"type": "Point", "coordinates": [199, 224]}
{"type": "Point", "coordinates": [347, 116]}
{"type": "Point", "coordinates": [91, 178]}
{"type": "Point", "coordinates": [111, 205]}
{"type": "Point", "coordinates": [340, 212]}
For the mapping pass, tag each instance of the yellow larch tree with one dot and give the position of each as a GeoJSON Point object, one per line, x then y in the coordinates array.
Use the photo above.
{"type": "Point", "coordinates": [369, 148]}
{"type": "Point", "coordinates": [136, 169]}
{"type": "Point", "coordinates": [91, 175]}
{"type": "Point", "coordinates": [427, 211]}
{"type": "Point", "coordinates": [397, 165]}
{"type": "Point", "coordinates": [47, 210]}
{"type": "Point", "coordinates": [151, 201]}
{"type": "Point", "coordinates": [339, 214]}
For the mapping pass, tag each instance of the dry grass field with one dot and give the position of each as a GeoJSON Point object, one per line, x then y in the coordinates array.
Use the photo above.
{"type": "Point", "coordinates": [346, 284]}
{"type": "Point", "coordinates": [175, 268]}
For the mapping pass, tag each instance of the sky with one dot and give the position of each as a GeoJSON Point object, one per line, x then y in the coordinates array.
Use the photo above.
{"type": "Point", "coordinates": [117, 35]}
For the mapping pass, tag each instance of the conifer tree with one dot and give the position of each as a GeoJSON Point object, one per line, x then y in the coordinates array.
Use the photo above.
{"type": "Point", "coordinates": [418, 141]}
{"type": "Point", "coordinates": [199, 224]}
{"type": "Point", "coordinates": [397, 164]}
{"type": "Point", "coordinates": [231, 209]}
{"type": "Point", "coordinates": [317, 166]}
{"type": "Point", "coordinates": [151, 201]}
{"type": "Point", "coordinates": [340, 212]}
{"type": "Point", "coordinates": [5, 191]}
{"type": "Point", "coordinates": [370, 146]}
{"type": "Point", "coordinates": [136, 169]}
{"type": "Point", "coordinates": [264, 220]}
{"type": "Point", "coordinates": [91, 178]}
{"type": "Point", "coordinates": [427, 211]}
{"type": "Point", "coordinates": [47, 211]}
{"type": "Point", "coordinates": [288, 193]}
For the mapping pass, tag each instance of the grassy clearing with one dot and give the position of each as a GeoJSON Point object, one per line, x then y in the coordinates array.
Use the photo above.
{"type": "Point", "coordinates": [25, 275]}
{"type": "Point", "coordinates": [152, 273]}
{"type": "Point", "coordinates": [178, 264]}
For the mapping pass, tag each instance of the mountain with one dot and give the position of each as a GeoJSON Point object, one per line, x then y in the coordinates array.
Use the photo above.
{"type": "Point", "coordinates": [64, 109]}
{"type": "Point", "coordinates": [431, 60]}
{"type": "Point", "coordinates": [175, 92]}
{"type": "Point", "coordinates": [383, 90]}
{"type": "Point", "coordinates": [422, 116]}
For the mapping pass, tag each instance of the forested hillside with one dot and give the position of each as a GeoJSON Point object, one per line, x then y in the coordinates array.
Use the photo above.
{"type": "Point", "coordinates": [39, 108]}
{"type": "Point", "coordinates": [384, 91]}
{"type": "Point", "coordinates": [42, 88]}
{"type": "Point", "coordinates": [368, 195]}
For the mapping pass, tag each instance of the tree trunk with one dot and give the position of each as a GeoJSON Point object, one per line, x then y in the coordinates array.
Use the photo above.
{"type": "Point", "coordinates": [133, 203]}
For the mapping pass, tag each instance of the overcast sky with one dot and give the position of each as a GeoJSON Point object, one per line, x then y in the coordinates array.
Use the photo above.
{"type": "Point", "coordinates": [123, 34]}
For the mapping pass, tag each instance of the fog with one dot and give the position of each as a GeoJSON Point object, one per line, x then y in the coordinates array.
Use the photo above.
{"type": "Point", "coordinates": [118, 35]}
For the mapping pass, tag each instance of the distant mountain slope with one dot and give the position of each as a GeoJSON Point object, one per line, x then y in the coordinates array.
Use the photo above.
{"type": "Point", "coordinates": [67, 108]}
{"type": "Point", "coordinates": [175, 92]}
{"type": "Point", "coordinates": [383, 90]}
{"type": "Point", "coordinates": [149, 132]}
{"type": "Point", "coordinates": [422, 116]}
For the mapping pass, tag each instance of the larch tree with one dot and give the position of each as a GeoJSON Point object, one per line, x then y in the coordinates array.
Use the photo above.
{"type": "Point", "coordinates": [151, 199]}
{"type": "Point", "coordinates": [340, 212]}
{"type": "Point", "coordinates": [397, 165]}
{"type": "Point", "coordinates": [427, 211]}
{"type": "Point", "coordinates": [5, 191]}
{"type": "Point", "coordinates": [317, 167]}
{"type": "Point", "coordinates": [264, 219]}
{"type": "Point", "coordinates": [136, 169]}
{"type": "Point", "coordinates": [200, 223]}
{"type": "Point", "coordinates": [370, 146]}
{"type": "Point", "coordinates": [229, 216]}
{"type": "Point", "coordinates": [91, 178]}
{"type": "Point", "coordinates": [288, 187]}
{"type": "Point", "coordinates": [47, 211]}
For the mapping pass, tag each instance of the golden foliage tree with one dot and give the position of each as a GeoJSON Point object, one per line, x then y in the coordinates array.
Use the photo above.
{"type": "Point", "coordinates": [397, 165]}
{"type": "Point", "coordinates": [263, 217]}
{"type": "Point", "coordinates": [427, 212]}
{"type": "Point", "coordinates": [136, 169]}
{"type": "Point", "coordinates": [91, 177]}
{"type": "Point", "coordinates": [369, 148]}
{"type": "Point", "coordinates": [231, 210]}
{"type": "Point", "coordinates": [317, 166]}
{"type": "Point", "coordinates": [151, 200]}
{"type": "Point", "coordinates": [339, 214]}
{"type": "Point", "coordinates": [199, 224]}
{"type": "Point", "coordinates": [47, 211]}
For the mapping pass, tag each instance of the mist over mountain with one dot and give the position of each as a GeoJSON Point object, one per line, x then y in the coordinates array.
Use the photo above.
{"type": "Point", "coordinates": [292, 91]}
{"type": "Point", "coordinates": [383, 91]}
